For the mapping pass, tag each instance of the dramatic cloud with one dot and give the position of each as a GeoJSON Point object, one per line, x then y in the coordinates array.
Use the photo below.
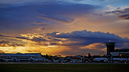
{"type": "Point", "coordinates": [85, 33]}
{"type": "Point", "coordinates": [1, 51]}
{"type": "Point", "coordinates": [71, 43]}
{"type": "Point", "coordinates": [94, 46]}
{"type": "Point", "coordinates": [121, 12]}
{"type": "Point", "coordinates": [126, 16]}
{"type": "Point", "coordinates": [66, 27]}
{"type": "Point", "coordinates": [85, 38]}
{"type": "Point", "coordinates": [75, 41]}
{"type": "Point", "coordinates": [26, 17]}
{"type": "Point", "coordinates": [4, 43]}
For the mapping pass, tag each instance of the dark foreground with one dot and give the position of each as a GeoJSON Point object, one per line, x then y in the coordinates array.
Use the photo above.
{"type": "Point", "coordinates": [64, 67]}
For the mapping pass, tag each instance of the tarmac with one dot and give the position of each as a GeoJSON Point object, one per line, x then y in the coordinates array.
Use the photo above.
{"type": "Point", "coordinates": [54, 63]}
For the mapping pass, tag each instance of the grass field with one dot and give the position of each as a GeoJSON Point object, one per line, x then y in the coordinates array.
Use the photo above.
{"type": "Point", "coordinates": [64, 68]}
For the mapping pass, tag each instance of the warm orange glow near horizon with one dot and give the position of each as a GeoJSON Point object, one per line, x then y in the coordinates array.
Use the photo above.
{"type": "Point", "coordinates": [63, 27]}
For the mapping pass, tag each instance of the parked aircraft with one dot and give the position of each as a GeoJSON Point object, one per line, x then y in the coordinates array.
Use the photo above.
{"type": "Point", "coordinates": [100, 60]}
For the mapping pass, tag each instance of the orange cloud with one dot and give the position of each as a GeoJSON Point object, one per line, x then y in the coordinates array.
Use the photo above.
{"type": "Point", "coordinates": [1, 51]}
{"type": "Point", "coordinates": [54, 50]}
{"type": "Point", "coordinates": [93, 46]}
{"type": "Point", "coordinates": [5, 43]}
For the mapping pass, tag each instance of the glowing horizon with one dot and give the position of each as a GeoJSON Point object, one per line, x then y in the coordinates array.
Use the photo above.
{"type": "Point", "coordinates": [63, 27]}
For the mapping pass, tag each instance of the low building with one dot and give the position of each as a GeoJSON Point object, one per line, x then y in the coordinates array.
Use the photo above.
{"type": "Point", "coordinates": [20, 57]}
{"type": "Point", "coordinates": [120, 53]}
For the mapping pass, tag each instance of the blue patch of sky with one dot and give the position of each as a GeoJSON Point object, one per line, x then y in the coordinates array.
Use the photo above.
{"type": "Point", "coordinates": [115, 3]}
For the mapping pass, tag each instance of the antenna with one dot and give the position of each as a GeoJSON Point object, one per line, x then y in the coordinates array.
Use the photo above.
{"type": "Point", "coordinates": [109, 40]}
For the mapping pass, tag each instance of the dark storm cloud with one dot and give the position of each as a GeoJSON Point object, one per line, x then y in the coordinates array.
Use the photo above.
{"type": "Point", "coordinates": [89, 42]}
{"type": "Point", "coordinates": [68, 9]}
{"type": "Point", "coordinates": [21, 17]}
{"type": "Point", "coordinates": [87, 37]}
{"type": "Point", "coordinates": [85, 33]}
{"type": "Point", "coordinates": [16, 18]}
{"type": "Point", "coordinates": [77, 39]}
{"type": "Point", "coordinates": [64, 12]}
{"type": "Point", "coordinates": [126, 16]}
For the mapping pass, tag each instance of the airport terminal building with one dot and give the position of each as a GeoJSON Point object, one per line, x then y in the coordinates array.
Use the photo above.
{"type": "Point", "coordinates": [116, 52]}
{"type": "Point", "coordinates": [120, 53]}
{"type": "Point", "coordinates": [20, 57]}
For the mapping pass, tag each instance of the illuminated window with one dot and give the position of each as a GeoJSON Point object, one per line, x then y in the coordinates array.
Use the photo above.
{"type": "Point", "coordinates": [120, 54]}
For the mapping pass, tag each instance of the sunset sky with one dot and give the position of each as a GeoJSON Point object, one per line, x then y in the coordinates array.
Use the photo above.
{"type": "Point", "coordinates": [65, 27]}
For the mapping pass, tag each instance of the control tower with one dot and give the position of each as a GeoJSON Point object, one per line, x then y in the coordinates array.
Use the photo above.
{"type": "Point", "coordinates": [110, 47]}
